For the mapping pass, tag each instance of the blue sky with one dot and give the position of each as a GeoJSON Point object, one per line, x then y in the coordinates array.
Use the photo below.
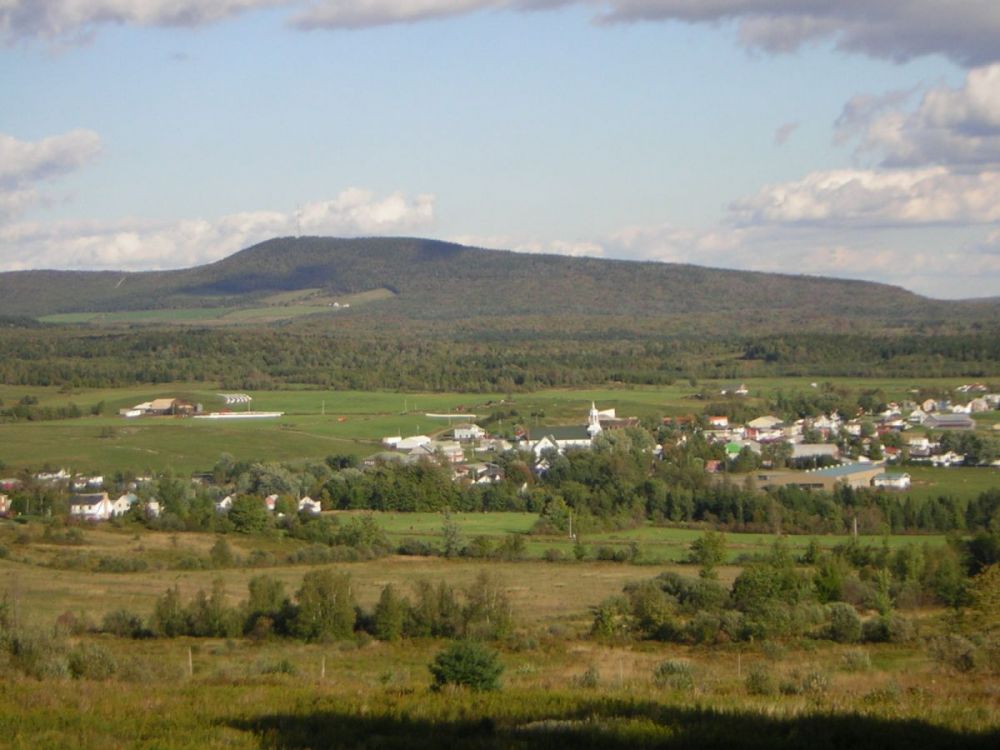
{"type": "Point", "coordinates": [754, 134]}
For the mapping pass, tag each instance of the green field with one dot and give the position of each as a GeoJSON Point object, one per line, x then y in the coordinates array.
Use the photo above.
{"type": "Point", "coordinates": [318, 423]}
{"type": "Point", "coordinates": [284, 306]}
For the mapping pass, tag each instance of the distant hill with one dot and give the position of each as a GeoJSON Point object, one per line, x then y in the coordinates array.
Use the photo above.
{"type": "Point", "coordinates": [432, 280]}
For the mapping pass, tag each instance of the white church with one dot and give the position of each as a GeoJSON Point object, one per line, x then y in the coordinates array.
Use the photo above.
{"type": "Point", "coordinates": [562, 437]}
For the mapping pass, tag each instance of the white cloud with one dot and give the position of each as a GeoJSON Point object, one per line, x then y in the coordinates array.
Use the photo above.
{"type": "Point", "coordinates": [867, 198]}
{"type": "Point", "coordinates": [966, 31]}
{"type": "Point", "coordinates": [24, 164]}
{"type": "Point", "coordinates": [951, 269]}
{"type": "Point", "coordinates": [76, 18]}
{"type": "Point", "coordinates": [136, 244]}
{"type": "Point", "coordinates": [958, 127]}
{"type": "Point", "coordinates": [574, 248]}
{"type": "Point", "coordinates": [353, 14]}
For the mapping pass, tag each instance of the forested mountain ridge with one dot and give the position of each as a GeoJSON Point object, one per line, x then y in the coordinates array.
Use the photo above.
{"type": "Point", "coordinates": [445, 281]}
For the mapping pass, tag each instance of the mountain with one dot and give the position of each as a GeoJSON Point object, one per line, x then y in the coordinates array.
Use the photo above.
{"type": "Point", "coordinates": [432, 280]}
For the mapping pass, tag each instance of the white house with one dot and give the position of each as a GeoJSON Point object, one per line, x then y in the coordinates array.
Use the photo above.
{"type": "Point", "coordinates": [4, 505]}
{"type": "Point", "coordinates": [310, 506]}
{"type": "Point", "coordinates": [469, 432]}
{"type": "Point", "coordinates": [96, 506]}
{"type": "Point", "coordinates": [123, 504]}
{"type": "Point", "coordinates": [49, 476]}
{"type": "Point", "coordinates": [270, 502]}
{"type": "Point", "coordinates": [892, 481]}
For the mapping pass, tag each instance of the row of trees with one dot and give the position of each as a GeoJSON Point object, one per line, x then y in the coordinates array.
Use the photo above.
{"type": "Point", "coordinates": [325, 608]}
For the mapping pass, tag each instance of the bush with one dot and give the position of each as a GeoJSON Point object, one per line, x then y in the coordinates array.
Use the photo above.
{"type": "Point", "coordinates": [845, 625]}
{"type": "Point", "coordinates": [674, 674]}
{"type": "Point", "coordinates": [123, 624]}
{"type": "Point", "coordinates": [590, 679]}
{"type": "Point", "coordinates": [856, 660]}
{"type": "Point", "coordinates": [760, 681]}
{"type": "Point", "coordinates": [469, 664]}
{"type": "Point", "coordinates": [956, 652]}
{"type": "Point", "coordinates": [91, 662]}
{"type": "Point", "coordinates": [37, 656]}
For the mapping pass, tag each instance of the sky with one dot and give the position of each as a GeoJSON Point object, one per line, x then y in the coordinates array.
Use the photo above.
{"type": "Point", "coordinates": [852, 138]}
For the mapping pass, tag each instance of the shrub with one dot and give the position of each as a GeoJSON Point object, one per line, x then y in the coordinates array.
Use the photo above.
{"type": "Point", "coordinates": [469, 664]}
{"type": "Point", "coordinates": [845, 625]}
{"type": "Point", "coordinates": [760, 681]}
{"type": "Point", "coordinates": [591, 679]}
{"type": "Point", "coordinates": [282, 666]}
{"type": "Point", "coordinates": [90, 661]}
{"type": "Point", "coordinates": [856, 660]}
{"type": "Point", "coordinates": [955, 651]}
{"type": "Point", "coordinates": [674, 674]}
{"type": "Point", "coordinates": [37, 656]}
{"type": "Point", "coordinates": [123, 624]}
{"type": "Point", "coordinates": [553, 555]}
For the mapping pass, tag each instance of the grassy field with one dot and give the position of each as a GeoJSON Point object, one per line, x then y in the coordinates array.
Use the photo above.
{"type": "Point", "coordinates": [285, 306]}
{"type": "Point", "coordinates": [560, 686]}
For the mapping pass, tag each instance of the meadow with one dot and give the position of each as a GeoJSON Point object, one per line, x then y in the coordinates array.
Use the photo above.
{"type": "Point", "coordinates": [560, 685]}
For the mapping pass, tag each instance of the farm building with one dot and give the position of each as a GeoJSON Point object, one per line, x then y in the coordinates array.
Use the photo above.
{"type": "Point", "coordinates": [853, 475]}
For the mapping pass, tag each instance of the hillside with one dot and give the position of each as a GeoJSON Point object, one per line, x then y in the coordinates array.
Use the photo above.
{"type": "Point", "coordinates": [434, 280]}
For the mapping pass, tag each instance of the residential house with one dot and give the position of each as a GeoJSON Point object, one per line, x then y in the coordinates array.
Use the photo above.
{"type": "Point", "coordinates": [270, 502]}
{"type": "Point", "coordinates": [95, 506]}
{"type": "Point", "coordinates": [123, 504]}
{"type": "Point", "coordinates": [468, 432]}
{"type": "Point", "coordinates": [892, 481]}
{"type": "Point", "coordinates": [948, 459]}
{"type": "Point", "coordinates": [5, 505]}
{"type": "Point", "coordinates": [309, 506]}
{"type": "Point", "coordinates": [52, 476]}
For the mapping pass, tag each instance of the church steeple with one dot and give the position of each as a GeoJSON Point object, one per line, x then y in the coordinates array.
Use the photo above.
{"type": "Point", "coordinates": [594, 420]}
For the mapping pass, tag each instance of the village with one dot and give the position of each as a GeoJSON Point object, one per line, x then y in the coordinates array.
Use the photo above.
{"type": "Point", "coordinates": [865, 450]}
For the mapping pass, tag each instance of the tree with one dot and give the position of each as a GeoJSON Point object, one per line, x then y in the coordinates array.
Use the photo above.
{"type": "Point", "coordinates": [169, 618]}
{"type": "Point", "coordinates": [326, 607]}
{"type": "Point", "coordinates": [390, 615]}
{"type": "Point", "coordinates": [469, 664]}
{"type": "Point", "coordinates": [452, 537]}
{"type": "Point", "coordinates": [249, 515]}
{"type": "Point", "coordinates": [221, 553]}
{"type": "Point", "coordinates": [707, 552]}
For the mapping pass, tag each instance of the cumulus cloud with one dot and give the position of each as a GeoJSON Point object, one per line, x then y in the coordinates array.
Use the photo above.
{"type": "Point", "coordinates": [76, 18]}
{"type": "Point", "coordinates": [958, 127]}
{"type": "Point", "coordinates": [865, 198]}
{"type": "Point", "coordinates": [353, 14]}
{"type": "Point", "coordinates": [950, 269]}
{"type": "Point", "coordinates": [25, 164]}
{"type": "Point", "coordinates": [966, 31]}
{"type": "Point", "coordinates": [574, 248]}
{"type": "Point", "coordinates": [137, 244]}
